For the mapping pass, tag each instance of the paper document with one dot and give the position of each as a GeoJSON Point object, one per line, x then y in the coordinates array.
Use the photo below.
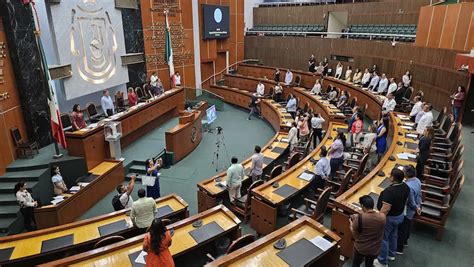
{"type": "Point", "coordinates": [402, 156]}
{"type": "Point", "coordinates": [412, 135]}
{"type": "Point", "coordinates": [339, 113]}
{"type": "Point", "coordinates": [92, 125]}
{"type": "Point", "coordinates": [409, 124]}
{"type": "Point", "coordinates": [58, 197]}
{"type": "Point", "coordinates": [321, 243]}
{"type": "Point", "coordinates": [288, 124]}
{"type": "Point", "coordinates": [75, 188]}
{"type": "Point", "coordinates": [83, 184]}
{"type": "Point", "coordinates": [306, 176]}
{"type": "Point", "coordinates": [413, 156]}
{"type": "Point", "coordinates": [223, 183]}
{"type": "Point", "coordinates": [56, 201]}
{"type": "Point", "coordinates": [407, 127]}
{"type": "Point", "coordinates": [284, 140]}
{"type": "Point", "coordinates": [141, 257]}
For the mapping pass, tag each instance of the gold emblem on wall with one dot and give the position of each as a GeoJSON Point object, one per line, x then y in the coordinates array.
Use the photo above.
{"type": "Point", "coordinates": [93, 42]}
{"type": "Point", "coordinates": [161, 5]}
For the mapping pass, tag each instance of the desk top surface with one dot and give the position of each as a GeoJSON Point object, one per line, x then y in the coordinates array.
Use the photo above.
{"type": "Point", "coordinates": [290, 177]}
{"type": "Point", "coordinates": [370, 184]}
{"type": "Point", "coordinates": [30, 243]}
{"type": "Point", "coordinates": [262, 252]}
{"type": "Point", "coordinates": [118, 254]}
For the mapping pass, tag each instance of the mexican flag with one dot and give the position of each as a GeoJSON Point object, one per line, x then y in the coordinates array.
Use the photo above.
{"type": "Point", "coordinates": [168, 47]}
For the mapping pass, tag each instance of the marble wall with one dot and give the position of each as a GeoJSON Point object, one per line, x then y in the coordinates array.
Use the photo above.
{"type": "Point", "coordinates": [19, 27]}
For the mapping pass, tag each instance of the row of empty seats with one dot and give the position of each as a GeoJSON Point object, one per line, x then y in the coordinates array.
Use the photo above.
{"type": "Point", "coordinates": [312, 3]}
{"type": "Point", "coordinates": [402, 29]}
{"type": "Point", "coordinates": [286, 28]}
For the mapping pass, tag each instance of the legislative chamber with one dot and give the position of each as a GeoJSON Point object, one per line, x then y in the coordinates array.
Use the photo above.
{"type": "Point", "coordinates": [236, 133]}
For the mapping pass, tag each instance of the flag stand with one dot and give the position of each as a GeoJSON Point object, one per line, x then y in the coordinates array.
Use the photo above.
{"type": "Point", "coordinates": [56, 148]}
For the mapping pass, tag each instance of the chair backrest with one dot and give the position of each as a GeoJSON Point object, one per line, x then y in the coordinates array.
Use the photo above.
{"type": "Point", "coordinates": [448, 120]}
{"type": "Point", "coordinates": [322, 204]}
{"type": "Point", "coordinates": [360, 170]}
{"type": "Point", "coordinates": [364, 109]}
{"type": "Point", "coordinates": [277, 170]}
{"type": "Point", "coordinates": [310, 110]}
{"type": "Point", "coordinates": [241, 242]}
{"type": "Point", "coordinates": [408, 93]}
{"type": "Point", "coordinates": [139, 92]}
{"type": "Point", "coordinates": [91, 110]}
{"type": "Point", "coordinates": [270, 92]}
{"type": "Point", "coordinates": [298, 80]}
{"type": "Point", "coordinates": [249, 192]}
{"type": "Point", "coordinates": [345, 182]}
{"type": "Point", "coordinates": [119, 99]}
{"type": "Point", "coordinates": [108, 241]}
{"type": "Point", "coordinates": [441, 114]}
{"type": "Point", "coordinates": [295, 158]}
{"type": "Point", "coordinates": [421, 94]}
{"type": "Point", "coordinates": [353, 102]}
{"type": "Point", "coordinates": [16, 135]}
{"type": "Point", "coordinates": [66, 120]}
{"type": "Point", "coordinates": [305, 108]}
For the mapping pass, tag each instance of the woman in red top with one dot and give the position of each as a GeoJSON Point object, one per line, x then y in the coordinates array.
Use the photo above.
{"type": "Point", "coordinates": [357, 128]}
{"type": "Point", "coordinates": [457, 101]}
{"type": "Point", "coordinates": [156, 243]}
{"type": "Point", "coordinates": [132, 97]}
{"type": "Point", "coordinates": [77, 118]}
{"type": "Point", "coordinates": [304, 128]}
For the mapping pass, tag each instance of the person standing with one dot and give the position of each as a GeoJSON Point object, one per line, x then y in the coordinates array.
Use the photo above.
{"type": "Point", "coordinates": [143, 211]}
{"type": "Point", "coordinates": [59, 186]}
{"type": "Point", "coordinates": [325, 66]}
{"type": "Point", "coordinates": [154, 82]}
{"type": "Point", "coordinates": [288, 77]}
{"type": "Point", "coordinates": [322, 169]}
{"type": "Point", "coordinates": [27, 205]}
{"type": "Point", "coordinates": [381, 140]}
{"type": "Point", "coordinates": [176, 79]}
{"type": "Point", "coordinates": [406, 79]}
{"type": "Point", "coordinates": [457, 101]}
{"type": "Point", "coordinates": [235, 175]}
{"type": "Point", "coordinates": [413, 207]}
{"type": "Point", "coordinates": [316, 90]}
{"type": "Point", "coordinates": [132, 97]}
{"type": "Point", "coordinates": [339, 68]}
{"type": "Point", "coordinates": [153, 169]}
{"type": "Point", "coordinates": [312, 64]}
{"type": "Point", "coordinates": [78, 121]}
{"type": "Point", "coordinates": [336, 152]}
{"type": "Point", "coordinates": [293, 136]}
{"type": "Point", "coordinates": [367, 229]}
{"type": "Point", "coordinates": [392, 203]}
{"type": "Point", "coordinates": [260, 89]}
{"type": "Point", "coordinates": [368, 145]}
{"type": "Point", "coordinates": [276, 76]}
{"type": "Point", "coordinates": [277, 92]}
{"type": "Point", "coordinates": [291, 106]}
{"type": "Point", "coordinates": [357, 79]}
{"type": "Point", "coordinates": [254, 102]}
{"type": "Point", "coordinates": [303, 128]}
{"type": "Point", "coordinates": [317, 127]}
{"type": "Point", "coordinates": [374, 82]}
{"type": "Point", "coordinates": [392, 88]}
{"type": "Point", "coordinates": [426, 119]}
{"type": "Point", "coordinates": [348, 75]}
{"type": "Point", "coordinates": [357, 129]}
{"type": "Point", "coordinates": [365, 79]}
{"type": "Point", "coordinates": [256, 169]}
{"type": "Point", "coordinates": [156, 243]}
{"type": "Point", "coordinates": [417, 108]}
{"type": "Point", "coordinates": [389, 104]}
{"type": "Point", "coordinates": [423, 151]}
{"type": "Point", "coordinates": [125, 193]}
{"type": "Point", "coordinates": [107, 104]}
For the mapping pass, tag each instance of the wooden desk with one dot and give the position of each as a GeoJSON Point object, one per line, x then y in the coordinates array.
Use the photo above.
{"type": "Point", "coordinates": [248, 83]}
{"type": "Point", "coordinates": [344, 206]}
{"type": "Point", "coordinates": [307, 78]}
{"type": "Point", "coordinates": [373, 101]}
{"type": "Point", "coordinates": [183, 243]}
{"type": "Point", "coordinates": [136, 121]}
{"type": "Point", "coordinates": [186, 136]}
{"type": "Point", "coordinates": [265, 202]}
{"type": "Point", "coordinates": [27, 246]}
{"type": "Point", "coordinates": [319, 105]}
{"type": "Point", "coordinates": [110, 174]}
{"type": "Point", "coordinates": [262, 252]}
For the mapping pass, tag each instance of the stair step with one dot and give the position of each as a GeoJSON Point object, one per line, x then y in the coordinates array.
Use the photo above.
{"type": "Point", "coordinates": [27, 168]}
{"type": "Point", "coordinates": [7, 199]}
{"type": "Point", "coordinates": [26, 175]}
{"type": "Point", "coordinates": [128, 177]}
{"type": "Point", "coordinates": [8, 187]}
{"type": "Point", "coordinates": [5, 224]}
{"type": "Point", "coordinates": [137, 169]}
{"type": "Point", "coordinates": [9, 211]}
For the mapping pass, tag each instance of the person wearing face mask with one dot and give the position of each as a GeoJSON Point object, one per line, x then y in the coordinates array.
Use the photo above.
{"type": "Point", "coordinates": [59, 186]}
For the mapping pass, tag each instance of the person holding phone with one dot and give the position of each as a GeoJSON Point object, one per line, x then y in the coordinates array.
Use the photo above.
{"type": "Point", "coordinates": [152, 169]}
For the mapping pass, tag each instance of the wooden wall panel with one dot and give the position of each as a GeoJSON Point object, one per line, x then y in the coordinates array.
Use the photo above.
{"type": "Point", "coordinates": [181, 25]}
{"type": "Point", "coordinates": [433, 69]}
{"type": "Point", "coordinates": [10, 108]}
{"type": "Point", "coordinates": [449, 25]}
{"type": "Point", "coordinates": [437, 22]}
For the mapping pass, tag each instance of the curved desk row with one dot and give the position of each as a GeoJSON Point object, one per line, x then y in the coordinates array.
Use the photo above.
{"type": "Point", "coordinates": [186, 136]}
{"type": "Point", "coordinates": [374, 102]}
{"type": "Point", "coordinates": [185, 239]}
{"type": "Point", "coordinates": [307, 78]}
{"type": "Point", "coordinates": [248, 83]}
{"type": "Point", "coordinates": [263, 253]}
{"type": "Point", "coordinates": [40, 246]}
{"type": "Point", "coordinates": [266, 199]}
{"type": "Point", "coordinates": [210, 191]}
{"type": "Point", "coordinates": [136, 121]}
{"type": "Point", "coordinates": [377, 180]}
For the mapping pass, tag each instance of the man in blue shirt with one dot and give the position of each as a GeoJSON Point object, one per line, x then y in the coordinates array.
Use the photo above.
{"type": "Point", "coordinates": [107, 104]}
{"type": "Point", "coordinates": [291, 106]}
{"type": "Point", "coordinates": [413, 207]}
{"type": "Point", "coordinates": [322, 169]}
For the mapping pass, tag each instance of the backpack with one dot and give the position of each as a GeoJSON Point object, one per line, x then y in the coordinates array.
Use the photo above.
{"type": "Point", "coordinates": [117, 204]}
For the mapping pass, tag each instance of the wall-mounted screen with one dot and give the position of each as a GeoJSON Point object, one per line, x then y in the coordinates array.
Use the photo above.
{"type": "Point", "coordinates": [215, 21]}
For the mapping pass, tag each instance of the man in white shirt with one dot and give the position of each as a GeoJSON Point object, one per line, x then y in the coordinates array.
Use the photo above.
{"type": "Point", "coordinates": [260, 89]}
{"type": "Point", "coordinates": [383, 84]}
{"type": "Point", "coordinates": [143, 211]}
{"type": "Point", "coordinates": [365, 78]}
{"type": "Point", "coordinates": [235, 175]}
{"type": "Point", "coordinates": [388, 104]}
{"type": "Point", "coordinates": [425, 120]}
{"type": "Point", "coordinates": [153, 79]}
{"type": "Point", "coordinates": [392, 87]}
{"type": "Point", "coordinates": [291, 106]}
{"type": "Point", "coordinates": [288, 77]}
{"type": "Point", "coordinates": [126, 192]}
{"type": "Point", "coordinates": [107, 104]}
{"type": "Point", "coordinates": [339, 68]}
{"type": "Point", "coordinates": [374, 82]}
{"type": "Point", "coordinates": [317, 126]}
{"type": "Point", "coordinates": [417, 107]}
{"type": "Point", "coordinates": [256, 169]}
{"type": "Point", "coordinates": [316, 88]}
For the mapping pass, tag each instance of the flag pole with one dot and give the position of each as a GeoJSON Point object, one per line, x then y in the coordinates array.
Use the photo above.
{"type": "Point", "coordinates": [37, 33]}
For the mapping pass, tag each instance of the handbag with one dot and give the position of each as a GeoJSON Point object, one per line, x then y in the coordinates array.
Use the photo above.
{"type": "Point", "coordinates": [148, 180]}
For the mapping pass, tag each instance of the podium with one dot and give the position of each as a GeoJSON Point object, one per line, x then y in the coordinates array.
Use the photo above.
{"type": "Point", "coordinates": [113, 133]}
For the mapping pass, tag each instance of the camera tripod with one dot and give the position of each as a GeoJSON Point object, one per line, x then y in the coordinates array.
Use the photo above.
{"type": "Point", "coordinates": [220, 141]}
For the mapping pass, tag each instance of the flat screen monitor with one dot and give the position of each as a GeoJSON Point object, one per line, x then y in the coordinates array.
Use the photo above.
{"type": "Point", "coordinates": [215, 22]}
{"type": "Point", "coordinates": [211, 114]}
